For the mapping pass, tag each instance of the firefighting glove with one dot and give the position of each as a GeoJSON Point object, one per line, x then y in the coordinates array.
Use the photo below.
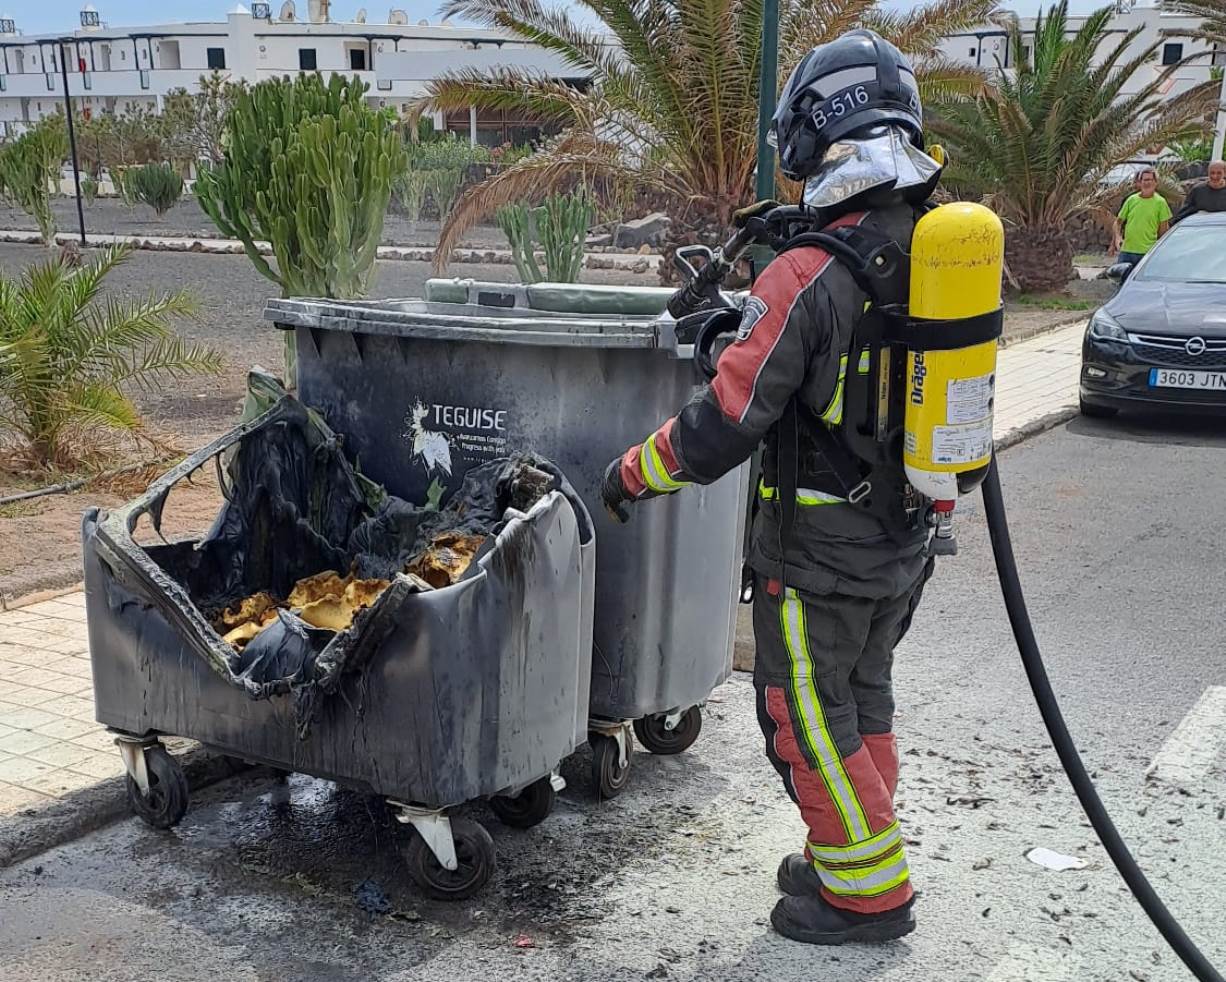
{"type": "Point", "coordinates": [613, 493]}
{"type": "Point", "coordinates": [756, 210]}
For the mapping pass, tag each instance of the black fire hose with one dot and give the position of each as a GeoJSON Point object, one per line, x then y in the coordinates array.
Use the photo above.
{"type": "Point", "coordinates": [1032, 660]}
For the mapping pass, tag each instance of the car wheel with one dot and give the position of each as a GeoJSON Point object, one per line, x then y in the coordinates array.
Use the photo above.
{"type": "Point", "coordinates": [1095, 412]}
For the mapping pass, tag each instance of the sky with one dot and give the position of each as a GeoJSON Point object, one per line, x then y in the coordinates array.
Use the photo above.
{"type": "Point", "coordinates": [45, 16]}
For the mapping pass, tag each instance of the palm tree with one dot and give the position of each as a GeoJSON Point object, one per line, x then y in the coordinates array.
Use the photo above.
{"type": "Point", "coordinates": [671, 98]}
{"type": "Point", "coordinates": [67, 354]}
{"type": "Point", "coordinates": [1212, 29]}
{"type": "Point", "coordinates": [1039, 145]}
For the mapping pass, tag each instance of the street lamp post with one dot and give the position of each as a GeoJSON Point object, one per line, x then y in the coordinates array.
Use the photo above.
{"type": "Point", "coordinates": [1220, 129]}
{"type": "Point", "coordinates": [768, 82]}
{"type": "Point", "coordinates": [72, 139]}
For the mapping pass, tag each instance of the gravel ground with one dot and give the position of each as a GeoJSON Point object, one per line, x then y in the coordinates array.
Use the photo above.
{"type": "Point", "coordinates": [111, 216]}
{"type": "Point", "coordinates": [232, 296]}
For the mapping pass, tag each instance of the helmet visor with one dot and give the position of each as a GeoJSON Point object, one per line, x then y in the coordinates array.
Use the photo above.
{"type": "Point", "coordinates": [879, 157]}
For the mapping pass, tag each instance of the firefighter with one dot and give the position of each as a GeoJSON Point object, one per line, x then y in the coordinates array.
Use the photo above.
{"type": "Point", "coordinates": [833, 600]}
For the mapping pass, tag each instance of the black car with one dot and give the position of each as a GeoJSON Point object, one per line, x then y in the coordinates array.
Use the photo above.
{"type": "Point", "coordinates": [1160, 342]}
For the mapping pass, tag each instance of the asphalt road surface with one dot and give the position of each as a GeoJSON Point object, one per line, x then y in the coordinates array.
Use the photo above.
{"type": "Point", "coordinates": [1119, 530]}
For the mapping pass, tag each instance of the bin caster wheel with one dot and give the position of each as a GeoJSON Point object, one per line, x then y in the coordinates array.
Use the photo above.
{"type": "Point", "coordinates": [659, 739]}
{"type": "Point", "coordinates": [165, 804]}
{"type": "Point", "coordinates": [528, 808]}
{"type": "Point", "coordinates": [474, 853]}
{"type": "Point", "coordinates": [608, 773]}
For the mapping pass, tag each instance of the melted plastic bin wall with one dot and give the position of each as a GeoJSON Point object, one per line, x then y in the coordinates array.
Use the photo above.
{"type": "Point", "coordinates": [480, 688]}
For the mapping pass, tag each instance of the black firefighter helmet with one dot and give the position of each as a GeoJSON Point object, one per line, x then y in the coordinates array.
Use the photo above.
{"type": "Point", "coordinates": [855, 81]}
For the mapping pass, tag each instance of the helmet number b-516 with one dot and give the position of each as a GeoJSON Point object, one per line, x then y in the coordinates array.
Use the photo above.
{"type": "Point", "coordinates": [840, 104]}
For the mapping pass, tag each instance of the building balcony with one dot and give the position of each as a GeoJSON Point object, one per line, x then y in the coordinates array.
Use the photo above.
{"type": "Point", "coordinates": [148, 82]}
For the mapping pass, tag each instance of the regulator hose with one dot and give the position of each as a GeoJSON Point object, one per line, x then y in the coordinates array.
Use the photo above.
{"type": "Point", "coordinates": [1053, 718]}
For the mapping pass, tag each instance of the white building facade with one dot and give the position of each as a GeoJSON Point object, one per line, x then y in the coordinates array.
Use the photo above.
{"type": "Point", "coordinates": [115, 70]}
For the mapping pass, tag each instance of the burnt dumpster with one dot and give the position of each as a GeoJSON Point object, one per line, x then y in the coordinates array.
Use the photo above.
{"type": "Point", "coordinates": [428, 389]}
{"type": "Point", "coordinates": [430, 652]}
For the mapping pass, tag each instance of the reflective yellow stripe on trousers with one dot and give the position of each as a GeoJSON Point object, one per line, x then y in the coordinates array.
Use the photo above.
{"type": "Point", "coordinates": [858, 853]}
{"type": "Point", "coordinates": [814, 731]}
{"type": "Point", "coordinates": [867, 881]}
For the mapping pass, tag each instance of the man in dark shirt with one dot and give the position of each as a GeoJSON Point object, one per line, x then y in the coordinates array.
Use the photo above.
{"type": "Point", "coordinates": [1210, 196]}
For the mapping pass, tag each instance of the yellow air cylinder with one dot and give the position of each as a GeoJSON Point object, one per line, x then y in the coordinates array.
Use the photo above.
{"type": "Point", "coordinates": [956, 256]}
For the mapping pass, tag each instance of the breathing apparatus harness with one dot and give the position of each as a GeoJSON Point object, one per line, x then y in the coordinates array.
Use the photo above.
{"type": "Point", "coordinates": [704, 313]}
{"type": "Point", "coordinates": [861, 455]}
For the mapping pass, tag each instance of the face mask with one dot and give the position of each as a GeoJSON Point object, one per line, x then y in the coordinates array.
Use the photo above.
{"type": "Point", "coordinates": [880, 157]}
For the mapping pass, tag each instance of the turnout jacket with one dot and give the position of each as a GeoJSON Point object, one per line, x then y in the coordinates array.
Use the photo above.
{"type": "Point", "coordinates": [793, 339]}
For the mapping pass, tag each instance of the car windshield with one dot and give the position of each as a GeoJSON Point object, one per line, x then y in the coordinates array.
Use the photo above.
{"type": "Point", "coordinates": [1188, 255]}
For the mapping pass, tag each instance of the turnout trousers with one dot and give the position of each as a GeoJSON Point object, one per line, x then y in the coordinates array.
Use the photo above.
{"type": "Point", "coordinates": [826, 706]}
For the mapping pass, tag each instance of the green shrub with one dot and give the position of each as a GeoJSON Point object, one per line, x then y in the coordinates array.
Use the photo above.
{"type": "Point", "coordinates": [157, 185]}
{"type": "Point", "coordinates": [89, 189]}
{"type": "Point", "coordinates": [1195, 151]}
{"type": "Point", "coordinates": [444, 163]}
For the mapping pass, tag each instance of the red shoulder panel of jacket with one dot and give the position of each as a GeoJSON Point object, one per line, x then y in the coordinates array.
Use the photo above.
{"type": "Point", "coordinates": [776, 292]}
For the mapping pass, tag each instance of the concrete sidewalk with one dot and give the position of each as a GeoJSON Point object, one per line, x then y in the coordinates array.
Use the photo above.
{"type": "Point", "coordinates": [50, 745]}
{"type": "Point", "coordinates": [51, 748]}
{"type": "Point", "coordinates": [1036, 382]}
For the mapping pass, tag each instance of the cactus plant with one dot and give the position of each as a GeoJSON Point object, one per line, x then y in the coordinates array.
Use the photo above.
{"type": "Point", "coordinates": [443, 184]}
{"type": "Point", "coordinates": [89, 189]}
{"type": "Point", "coordinates": [121, 179]}
{"type": "Point", "coordinates": [411, 193]}
{"type": "Point", "coordinates": [157, 185]}
{"type": "Point", "coordinates": [28, 166]}
{"type": "Point", "coordinates": [563, 230]}
{"type": "Point", "coordinates": [559, 227]}
{"type": "Point", "coordinates": [518, 224]}
{"type": "Point", "coordinates": [309, 167]}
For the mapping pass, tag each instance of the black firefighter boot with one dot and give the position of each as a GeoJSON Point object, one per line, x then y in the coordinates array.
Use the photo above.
{"type": "Point", "coordinates": [804, 915]}
{"type": "Point", "coordinates": [797, 877]}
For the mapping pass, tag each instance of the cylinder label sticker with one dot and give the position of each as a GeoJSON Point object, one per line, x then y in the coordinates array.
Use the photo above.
{"type": "Point", "coordinates": [969, 400]}
{"type": "Point", "coordinates": [962, 444]}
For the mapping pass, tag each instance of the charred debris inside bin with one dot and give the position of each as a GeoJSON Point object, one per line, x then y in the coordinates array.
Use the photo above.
{"type": "Point", "coordinates": [308, 561]}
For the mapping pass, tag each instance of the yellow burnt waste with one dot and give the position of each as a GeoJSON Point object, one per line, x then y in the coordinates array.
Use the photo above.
{"type": "Point", "coordinates": [330, 601]}
{"type": "Point", "coordinates": [446, 559]}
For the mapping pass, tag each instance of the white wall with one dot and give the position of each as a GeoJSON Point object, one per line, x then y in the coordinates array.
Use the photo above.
{"type": "Point", "coordinates": [401, 60]}
{"type": "Point", "coordinates": [989, 48]}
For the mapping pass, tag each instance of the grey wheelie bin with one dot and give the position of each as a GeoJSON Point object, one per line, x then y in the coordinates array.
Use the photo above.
{"type": "Point", "coordinates": [426, 389]}
{"type": "Point", "coordinates": [430, 696]}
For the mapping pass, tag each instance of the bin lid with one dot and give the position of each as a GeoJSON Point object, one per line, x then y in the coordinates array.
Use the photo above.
{"type": "Point", "coordinates": [565, 298]}
{"type": "Point", "coordinates": [488, 323]}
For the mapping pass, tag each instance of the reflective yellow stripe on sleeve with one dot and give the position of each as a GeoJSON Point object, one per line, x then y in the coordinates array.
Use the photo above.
{"type": "Point", "coordinates": [654, 472]}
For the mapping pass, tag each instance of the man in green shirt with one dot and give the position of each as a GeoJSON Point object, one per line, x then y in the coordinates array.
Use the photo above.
{"type": "Point", "coordinates": [1143, 219]}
